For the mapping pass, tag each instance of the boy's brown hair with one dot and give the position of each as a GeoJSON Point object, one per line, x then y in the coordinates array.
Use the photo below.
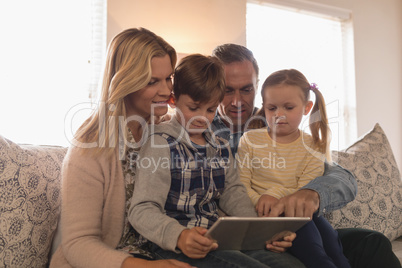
{"type": "Point", "coordinates": [201, 77]}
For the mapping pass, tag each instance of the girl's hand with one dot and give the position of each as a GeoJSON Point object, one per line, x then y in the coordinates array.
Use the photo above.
{"type": "Point", "coordinates": [131, 262]}
{"type": "Point", "coordinates": [264, 205]}
{"type": "Point", "coordinates": [194, 244]}
{"type": "Point", "coordinates": [281, 242]}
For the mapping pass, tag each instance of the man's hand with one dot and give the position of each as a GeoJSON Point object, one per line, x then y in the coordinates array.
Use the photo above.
{"type": "Point", "coordinates": [302, 203]}
{"type": "Point", "coordinates": [194, 244]}
{"type": "Point", "coordinates": [264, 205]}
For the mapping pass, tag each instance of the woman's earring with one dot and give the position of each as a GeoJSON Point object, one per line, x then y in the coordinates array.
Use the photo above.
{"type": "Point", "coordinates": [172, 101]}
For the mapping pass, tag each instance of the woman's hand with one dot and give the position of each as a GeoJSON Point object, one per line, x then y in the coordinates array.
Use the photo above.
{"type": "Point", "coordinates": [281, 242]}
{"type": "Point", "coordinates": [194, 244]}
{"type": "Point", "coordinates": [264, 205]}
{"type": "Point", "coordinates": [131, 262]}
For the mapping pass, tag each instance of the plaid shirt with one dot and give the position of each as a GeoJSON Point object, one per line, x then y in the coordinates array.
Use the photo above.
{"type": "Point", "coordinates": [221, 130]}
{"type": "Point", "coordinates": [197, 182]}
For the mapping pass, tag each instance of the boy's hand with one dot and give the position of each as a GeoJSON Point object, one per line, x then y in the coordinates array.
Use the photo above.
{"type": "Point", "coordinates": [264, 205]}
{"type": "Point", "coordinates": [194, 244]}
{"type": "Point", "coordinates": [281, 242]}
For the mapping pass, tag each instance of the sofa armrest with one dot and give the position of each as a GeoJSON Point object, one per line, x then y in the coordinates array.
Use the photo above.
{"type": "Point", "coordinates": [30, 189]}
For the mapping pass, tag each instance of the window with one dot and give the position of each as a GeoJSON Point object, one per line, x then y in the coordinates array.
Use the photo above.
{"type": "Point", "coordinates": [50, 62]}
{"type": "Point", "coordinates": [316, 40]}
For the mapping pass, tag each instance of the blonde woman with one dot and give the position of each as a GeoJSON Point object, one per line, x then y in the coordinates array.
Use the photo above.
{"type": "Point", "coordinates": [98, 169]}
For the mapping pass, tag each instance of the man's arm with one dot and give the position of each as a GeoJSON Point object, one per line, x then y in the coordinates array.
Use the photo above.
{"type": "Point", "coordinates": [336, 187]}
{"type": "Point", "coordinates": [331, 191]}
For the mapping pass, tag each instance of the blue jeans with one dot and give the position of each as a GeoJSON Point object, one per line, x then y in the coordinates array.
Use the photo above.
{"type": "Point", "coordinates": [317, 245]}
{"type": "Point", "coordinates": [234, 259]}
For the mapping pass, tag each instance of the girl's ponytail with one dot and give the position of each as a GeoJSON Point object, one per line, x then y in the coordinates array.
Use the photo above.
{"type": "Point", "coordinates": [319, 124]}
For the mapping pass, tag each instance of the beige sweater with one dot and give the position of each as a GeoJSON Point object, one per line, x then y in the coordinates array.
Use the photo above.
{"type": "Point", "coordinates": [92, 217]}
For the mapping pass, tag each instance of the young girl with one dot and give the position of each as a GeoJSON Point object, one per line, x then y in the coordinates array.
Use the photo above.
{"type": "Point", "coordinates": [185, 173]}
{"type": "Point", "coordinates": [277, 161]}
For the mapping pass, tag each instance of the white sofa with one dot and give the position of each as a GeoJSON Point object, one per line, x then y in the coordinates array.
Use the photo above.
{"type": "Point", "coordinates": [30, 198]}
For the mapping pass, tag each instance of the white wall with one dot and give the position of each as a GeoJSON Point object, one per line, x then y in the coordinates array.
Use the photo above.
{"type": "Point", "coordinates": [378, 62]}
{"type": "Point", "coordinates": [190, 26]}
{"type": "Point", "coordinates": [200, 25]}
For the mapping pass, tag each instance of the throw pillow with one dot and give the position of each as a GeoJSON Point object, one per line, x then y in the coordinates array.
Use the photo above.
{"type": "Point", "coordinates": [30, 200]}
{"type": "Point", "coordinates": [378, 204]}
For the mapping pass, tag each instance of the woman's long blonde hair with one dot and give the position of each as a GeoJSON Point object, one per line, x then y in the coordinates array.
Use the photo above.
{"type": "Point", "coordinates": [127, 70]}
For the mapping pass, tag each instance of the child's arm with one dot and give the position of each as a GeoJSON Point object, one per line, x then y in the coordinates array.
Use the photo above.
{"type": "Point", "coordinates": [314, 167]}
{"type": "Point", "coordinates": [194, 244]}
{"type": "Point", "coordinates": [282, 243]}
{"type": "Point", "coordinates": [309, 167]}
{"type": "Point", "coordinates": [264, 205]}
{"type": "Point", "coordinates": [244, 156]}
{"type": "Point", "coordinates": [235, 200]}
{"type": "Point", "coordinates": [152, 185]}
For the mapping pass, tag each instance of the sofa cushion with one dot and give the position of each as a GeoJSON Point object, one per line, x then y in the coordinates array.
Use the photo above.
{"type": "Point", "coordinates": [30, 200]}
{"type": "Point", "coordinates": [378, 204]}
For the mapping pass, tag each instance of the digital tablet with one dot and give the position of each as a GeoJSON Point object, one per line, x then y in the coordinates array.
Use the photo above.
{"type": "Point", "coordinates": [249, 233]}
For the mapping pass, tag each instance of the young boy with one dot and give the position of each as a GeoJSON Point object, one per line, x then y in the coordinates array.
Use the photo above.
{"type": "Point", "coordinates": [184, 173]}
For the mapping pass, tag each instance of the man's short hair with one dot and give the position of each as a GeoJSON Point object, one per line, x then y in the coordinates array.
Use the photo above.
{"type": "Point", "coordinates": [229, 53]}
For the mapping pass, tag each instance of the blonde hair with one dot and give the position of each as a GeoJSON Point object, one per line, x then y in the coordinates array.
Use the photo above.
{"type": "Point", "coordinates": [127, 70]}
{"type": "Point", "coordinates": [318, 121]}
